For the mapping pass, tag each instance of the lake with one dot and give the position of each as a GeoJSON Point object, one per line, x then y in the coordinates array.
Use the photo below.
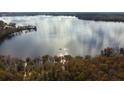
{"type": "Point", "coordinates": [79, 37]}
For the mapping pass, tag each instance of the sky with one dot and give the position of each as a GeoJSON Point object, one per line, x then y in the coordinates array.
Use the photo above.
{"type": "Point", "coordinates": [61, 5]}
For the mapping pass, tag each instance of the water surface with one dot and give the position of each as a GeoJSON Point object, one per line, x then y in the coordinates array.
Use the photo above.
{"type": "Point", "coordinates": [80, 37]}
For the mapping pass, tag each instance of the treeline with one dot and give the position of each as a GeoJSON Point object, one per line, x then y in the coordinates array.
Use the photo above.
{"type": "Point", "coordinates": [102, 67]}
{"type": "Point", "coordinates": [108, 17]}
{"type": "Point", "coordinates": [97, 16]}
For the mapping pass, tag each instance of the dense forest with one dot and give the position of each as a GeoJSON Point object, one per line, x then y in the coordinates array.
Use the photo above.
{"type": "Point", "coordinates": [104, 67]}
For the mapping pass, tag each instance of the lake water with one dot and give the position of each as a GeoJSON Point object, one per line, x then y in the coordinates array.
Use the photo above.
{"type": "Point", "coordinates": [80, 37]}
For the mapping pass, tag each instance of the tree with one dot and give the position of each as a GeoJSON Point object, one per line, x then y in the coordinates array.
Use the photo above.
{"type": "Point", "coordinates": [12, 24]}
{"type": "Point", "coordinates": [2, 24]}
{"type": "Point", "coordinates": [121, 50]}
{"type": "Point", "coordinates": [107, 52]}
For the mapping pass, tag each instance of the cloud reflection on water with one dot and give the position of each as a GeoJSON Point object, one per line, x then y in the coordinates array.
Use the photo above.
{"type": "Point", "coordinates": [79, 36]}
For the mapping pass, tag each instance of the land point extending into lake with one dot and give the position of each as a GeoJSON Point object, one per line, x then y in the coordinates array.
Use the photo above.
{"type": "Point", "coordinates": [8, 30]}
{"type": "Point", "coordinates": [61, 46]}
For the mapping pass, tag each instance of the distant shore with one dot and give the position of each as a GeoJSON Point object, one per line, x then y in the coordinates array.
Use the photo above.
{"type": "Point", "coordinates": [96, 16]}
